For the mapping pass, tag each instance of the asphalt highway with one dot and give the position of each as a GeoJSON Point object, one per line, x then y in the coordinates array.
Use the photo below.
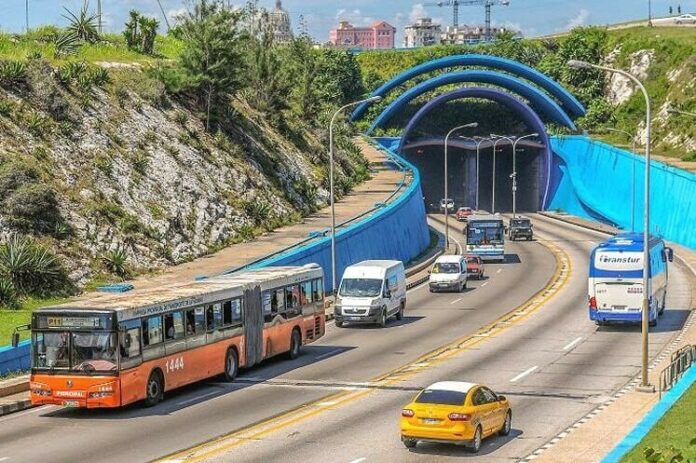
{"type": "Point", "coordinates": [561, 363]}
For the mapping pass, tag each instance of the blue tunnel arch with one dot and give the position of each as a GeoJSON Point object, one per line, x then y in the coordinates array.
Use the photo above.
{"type": "Point", "coordinates": [526, 113]}
{"type": "Point", "coordinates": [571, 105]}
{"type": "Point", "coordinates": [538, 99]}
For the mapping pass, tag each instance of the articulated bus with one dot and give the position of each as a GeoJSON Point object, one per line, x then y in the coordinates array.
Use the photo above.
{"type": "Point", "coordinates": [110, 350]}
{"type": "Point", "coordinates": [485, 237]}
{"type": "Point", "coordinates": [615, 283]}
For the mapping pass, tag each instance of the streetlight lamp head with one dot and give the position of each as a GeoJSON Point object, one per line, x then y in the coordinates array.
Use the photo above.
{"type": "Point", "coordinates": [578, 64]}
{"type": "Point", "coordinates": [374, 99]}
{"type": "Point", "coordinates": [473, 124]}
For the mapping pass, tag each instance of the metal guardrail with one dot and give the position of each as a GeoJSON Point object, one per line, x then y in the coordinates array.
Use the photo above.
{"type": "Point", "coordinates": [391, 158]}
{"type": "Point", "coordinates": [680, 362]}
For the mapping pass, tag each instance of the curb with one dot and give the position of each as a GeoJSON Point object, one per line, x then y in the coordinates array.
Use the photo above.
{"type": "Point", "coordinates": [18, 406]}
{"type": "Point", "coordinates": [14, 385]}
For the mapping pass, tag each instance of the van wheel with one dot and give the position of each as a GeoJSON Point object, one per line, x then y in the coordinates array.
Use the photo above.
{"type": "Point", "coordinates": [339, 324]}
{"type": "Point", "coordinates": [154, 392]}
{"type": "Point", "coordinates": [231, 365]}
{"type": "Point", "coordinates": [400, 313]}
{"type": "Point", "coordinates": [383, 319]}
{"type": "Point", "coordinates": [295, 345]}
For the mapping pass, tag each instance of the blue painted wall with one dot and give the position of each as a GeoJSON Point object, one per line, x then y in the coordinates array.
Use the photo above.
{"type": "Point", "coordinates": [592, 179]}
{"type": "Point", "coordinates": [15, 359]}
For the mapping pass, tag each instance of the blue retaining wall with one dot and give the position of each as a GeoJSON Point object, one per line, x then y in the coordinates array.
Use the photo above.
{"type": "Point", "coordinates": [397, 231]}
{"type": "Point", "coordinates": [593, 180]}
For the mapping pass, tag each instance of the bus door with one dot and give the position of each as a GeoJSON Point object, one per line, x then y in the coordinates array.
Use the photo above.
{"type": "Point", "coordinates": [253, 326]}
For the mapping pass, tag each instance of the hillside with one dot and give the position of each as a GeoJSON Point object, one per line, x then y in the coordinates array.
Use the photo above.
{"type": "Point", "coordinates": [665, 58]}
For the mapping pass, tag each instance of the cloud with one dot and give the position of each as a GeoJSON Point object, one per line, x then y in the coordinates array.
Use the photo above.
{"type": "Point", "coordinates": [579, 20]}
{"type": "Point", "coordinates": [175, 14]}
{"type": "Point", "coordinates": [354, 17]}
{"type": "Point", "coordinates": [417, 12]}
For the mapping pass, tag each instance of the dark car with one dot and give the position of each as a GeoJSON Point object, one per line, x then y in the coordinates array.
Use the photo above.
{"type": "Point", "coordinates": [520, 228]}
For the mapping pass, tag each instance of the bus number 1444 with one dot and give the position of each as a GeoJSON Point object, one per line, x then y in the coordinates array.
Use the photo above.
{"type": "Point", "coordinates": [175, 364]}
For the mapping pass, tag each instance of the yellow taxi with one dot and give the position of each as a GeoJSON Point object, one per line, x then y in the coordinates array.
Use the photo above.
{"type": "Point", "coordinates": [455, 412]}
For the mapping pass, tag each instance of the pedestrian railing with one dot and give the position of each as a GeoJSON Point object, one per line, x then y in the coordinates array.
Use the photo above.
{"type": "Point", "coordinates": [313, 236]}
{"type": "Point", "coordinates": [680, 362]}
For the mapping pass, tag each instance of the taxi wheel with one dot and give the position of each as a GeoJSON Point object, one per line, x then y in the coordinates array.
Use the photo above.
{"type": "Point", "coordinates": [410, 443]}
{"type": "Point", "coordinates": [476, 442]}
{"type": "Point", "coordinates": [505, 430]}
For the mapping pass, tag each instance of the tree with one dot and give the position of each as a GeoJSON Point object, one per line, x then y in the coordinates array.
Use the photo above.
{"type": "Point", "coordinates": [306, 65]}
{"type": "Point", "coordinates": [83, 25]}
{"type": "Point", "coordinates": [140, 32]}
{"type": "Point", "coordinates": [340, 79]}
{"type": "Point", "coordinates": [210, 61]}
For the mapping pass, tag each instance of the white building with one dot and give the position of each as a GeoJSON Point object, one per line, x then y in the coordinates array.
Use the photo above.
{"type": "Point", "coordinates": [422, 33]}
{"type": "Point", "coordinates": [468, 34]}
{"type": "Point", "coordinates": [280, 23]}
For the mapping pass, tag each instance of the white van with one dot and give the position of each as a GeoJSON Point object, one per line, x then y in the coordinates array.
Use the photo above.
{"type": "Point", "coordinates": [448, 273]}
{"type": "Point", "coordinates": [370, 292]}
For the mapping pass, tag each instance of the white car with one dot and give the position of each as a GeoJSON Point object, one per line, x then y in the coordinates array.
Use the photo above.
{"type": "Point", "coordinates": [447, 205]}
{"type": "Point", "coordinates": [685, 19]}
{"type": "Point", "coordinates": [448, 273]}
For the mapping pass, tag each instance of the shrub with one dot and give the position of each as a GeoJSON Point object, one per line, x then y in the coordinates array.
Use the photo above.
{"type": "Point", "coordinates": [99, 77]}
{"type": "Point", "coordinates": [8, 294]}
{"type": "Point", "coordinates": [12, 73]}
{"type": "Point", "coordinates": [32, 268]}
{"type": "Point", "coordinates": [33, 207]}
{"type": "Point", "coordinates": [83, 24]}
{"type": "Point", "coordinates": [71, 72]}
{"type": "Point", "coordinates": [258, 211]}
{"type": "Point", "coordinates": [140, 162]}
{"type": "Point", "coordinates": [65, 44]}
{"type": "Point", "coordinates": [116, 262]}
{"type": "Point", "coordinates": [37, 124]}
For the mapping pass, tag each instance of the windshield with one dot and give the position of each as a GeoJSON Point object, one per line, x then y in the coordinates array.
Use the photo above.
{"type": "Point", "coordinates": [360, 287]}
{"type": "Point", "coordinates": [484, 235]}
{"type": "Point", "coordinates": [519, 223]}
{"type": "Point", "coordinates": [473, 260]}
{"type": "Point", "coordinates": [446, 267]}
{"type": "Point", "coordinates": [77, 351]}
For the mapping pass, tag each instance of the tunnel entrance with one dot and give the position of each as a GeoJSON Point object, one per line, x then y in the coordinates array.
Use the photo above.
{"type": "Point", "coordinates": [429, 159]}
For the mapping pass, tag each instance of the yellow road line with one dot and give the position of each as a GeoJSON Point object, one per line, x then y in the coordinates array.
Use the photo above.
{"type": "Point", "coordinates": [219, 445]}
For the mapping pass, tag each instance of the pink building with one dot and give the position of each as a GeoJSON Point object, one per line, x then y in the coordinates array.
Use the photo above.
{"type": "Point", "coordinates": [379, 35]}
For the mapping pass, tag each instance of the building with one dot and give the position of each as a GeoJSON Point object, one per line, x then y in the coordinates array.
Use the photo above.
{"type": "Point", "coordinates": [379, 35]}
{"type": "Point", "coordinates": [279, 20]}
{"type": "Point", "coordinates": [422, 33]}
{"type": "Point", "coordinates": [468, 34]}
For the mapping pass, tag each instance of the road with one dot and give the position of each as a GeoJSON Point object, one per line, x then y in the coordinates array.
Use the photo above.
{"type": "Point", "coordinates": [562, 365]}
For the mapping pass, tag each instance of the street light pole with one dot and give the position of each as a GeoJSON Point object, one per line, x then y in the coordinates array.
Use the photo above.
{"type": "Point", "coordinates": [497, 138]}
{"type": "Point", "coordinates": [576, 64]}
{"type": "Point", "coordinates": [514, 171]}
{"type": "Point", "coordinates": [633, 174]}
{"type": "Point", "coordinates": [478, 151]}
{"type": "Point", "coordinates": [331, 182]}
{"type": "Point", "coordinates": [460, 127]}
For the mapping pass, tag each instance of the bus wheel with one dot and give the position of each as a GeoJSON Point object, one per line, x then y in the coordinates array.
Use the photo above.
{"type": "Point", "coordinates": [231, 365]}
{"type": "Point", "coordinates": [154, 392]}
{"type": "Point", "coordinates": [295, 345]}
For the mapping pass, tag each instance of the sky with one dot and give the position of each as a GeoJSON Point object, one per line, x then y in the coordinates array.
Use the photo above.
{"type": "Point", "coordinates": [531, 17]}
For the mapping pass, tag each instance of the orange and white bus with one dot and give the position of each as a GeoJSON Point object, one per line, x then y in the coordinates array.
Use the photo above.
{"type": "Point", "coordinates": [110, 350]}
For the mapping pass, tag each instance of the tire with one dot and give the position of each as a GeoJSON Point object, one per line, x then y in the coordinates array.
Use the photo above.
{"type": "Point", "coordinates": [507, 425]}
{"type": "Point", "coordinates": [295, 345]}
{"type": "Point", "coordinates": [339, 324]}
{"type": "Point", "coordinates": [664, 304]}
{"type": "Point", "coordinates": [231, 365]}
{"type": "Point", "coordinates": [154, 391]}
{"type": "Point", "coordinates": [400, 313]}
{"type": "Point", "coordinates": [383, 319]}
{"type": "Point", "coordinates": [653, 323]}
{"type": "Point", "coordinates": [409, 443]}
{"type": "Point", "coordinates": [476, 442]}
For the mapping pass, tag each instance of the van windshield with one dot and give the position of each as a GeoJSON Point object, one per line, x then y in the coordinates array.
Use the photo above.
{"type": "Point", "coordinates": [360, 287]}
{"type": "Point", "coordinates": [446, 267]}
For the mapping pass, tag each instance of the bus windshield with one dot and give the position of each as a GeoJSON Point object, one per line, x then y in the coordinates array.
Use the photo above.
{"type": "Point", "coordinates": [361, 287]}
{"type": "Point", "coordinates": [76, 351]}
{"type": "Point", "coordinates": [485, 233]}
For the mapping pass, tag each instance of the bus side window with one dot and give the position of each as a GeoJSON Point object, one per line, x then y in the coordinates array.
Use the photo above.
{"type": "Point", "coordinates": [173, 325]}
{"type": "Point", "coordinates": [152, 331]}
{"type": "Point", "coordinates": [195, 321]}
{"type": "Point", "coordinates": [307, 293]}
{"type": "Point", "coordinates": [318, 290]}
{"type": "Point", "coordinates": [232, 312]}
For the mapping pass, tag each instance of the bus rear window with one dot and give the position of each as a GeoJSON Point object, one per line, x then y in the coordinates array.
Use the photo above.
{"type": "Point", "coordinates": [437, 396]}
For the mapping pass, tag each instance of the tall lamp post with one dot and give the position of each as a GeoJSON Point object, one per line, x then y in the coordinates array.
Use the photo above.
{"type": "Point", "coordinates": [514, 170]}
{"type": "Point", "coordinates": [633, 173]}
{"type": "Point", "coordinates": [331, 182]}
{"type": "Point", "coordinates": [478, 151]}
{"type": "Point", "coordinates": [460, 127]}
{"type": "Point", "coordinates": [497, 139]}
{"type": "Point", "coordinates": [645, 386]}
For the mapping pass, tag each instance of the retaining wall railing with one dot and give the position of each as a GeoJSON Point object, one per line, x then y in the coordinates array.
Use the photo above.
{"type": "Point", "coordinates": [680, 362]}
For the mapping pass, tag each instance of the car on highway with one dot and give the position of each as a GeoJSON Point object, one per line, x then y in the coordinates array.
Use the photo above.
{"type": "Point", "coordinates": [463, 213]}
{"type": "Point", "coordinates": [474, 266]}
{"type": "Point", "coordinates": [520, 228]}
{"type": "Point", "coordinates": [446, 205]}
{"type": "Point", "coordinates": [685, 19]}
{"type": "Point", "coordinates": [371, 292]}
{"type": "Point", "coordinates": [448, 273]}
{"type": "Point", "coordinates": [455, 412]}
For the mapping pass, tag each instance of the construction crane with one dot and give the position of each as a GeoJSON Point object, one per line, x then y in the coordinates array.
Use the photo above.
{"type": "Point", "coordinates": [487, 4]}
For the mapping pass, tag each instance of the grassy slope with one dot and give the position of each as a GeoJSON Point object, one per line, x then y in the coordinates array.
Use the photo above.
{"type": "Point", "coordinates": [677, 428]}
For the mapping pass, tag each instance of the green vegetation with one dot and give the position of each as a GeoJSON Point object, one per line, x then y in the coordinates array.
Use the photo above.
{"type": "Point", "coordinates": [9, 319]}
{"type": "Point", "coordinates": [673, 439]}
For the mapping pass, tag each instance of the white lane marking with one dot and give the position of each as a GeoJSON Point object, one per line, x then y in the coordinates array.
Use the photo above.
{"type": "Point", "coordinates": [7, 458]}
{"type": "Point", "coordinates": [499, 270]}
{"type": "Point", "coordinates": [572, 343]}
{"type": "Point", "coordinates": [455, 301]}
{"type": "Point", "coordinates": [524, 373]}
{"type": "Point", "coordinates": [327, 404]}
{"type": "Point", "coordinates": [193, 399]}
{"type": "Point", "coordinates": [358, 460]}
{"type": "Point", "coordinates": [327, 354]}
{"type": "Point", "coordinates": [484, 284]}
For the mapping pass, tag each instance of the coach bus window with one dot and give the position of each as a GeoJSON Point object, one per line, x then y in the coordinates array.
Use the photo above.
{"type": "Point", "coordinates": [293, 296]}
{"type": "Point", "coordinates": [210, 317]}
{"type": "Point", "coordinates": [199, 316]}
{"type": "Point", "coordinates": [130, 340]}
{"type": "Point", "coordinates": [306, 294]}
{"type": "Point", "coordinates": [232, 312]}
{"type": "Point", "coordinates": [174, 325]}
{"type": "Point", "coordinates": [152, 330]}
{"type": "Point", "coordinates": [317, 290]}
